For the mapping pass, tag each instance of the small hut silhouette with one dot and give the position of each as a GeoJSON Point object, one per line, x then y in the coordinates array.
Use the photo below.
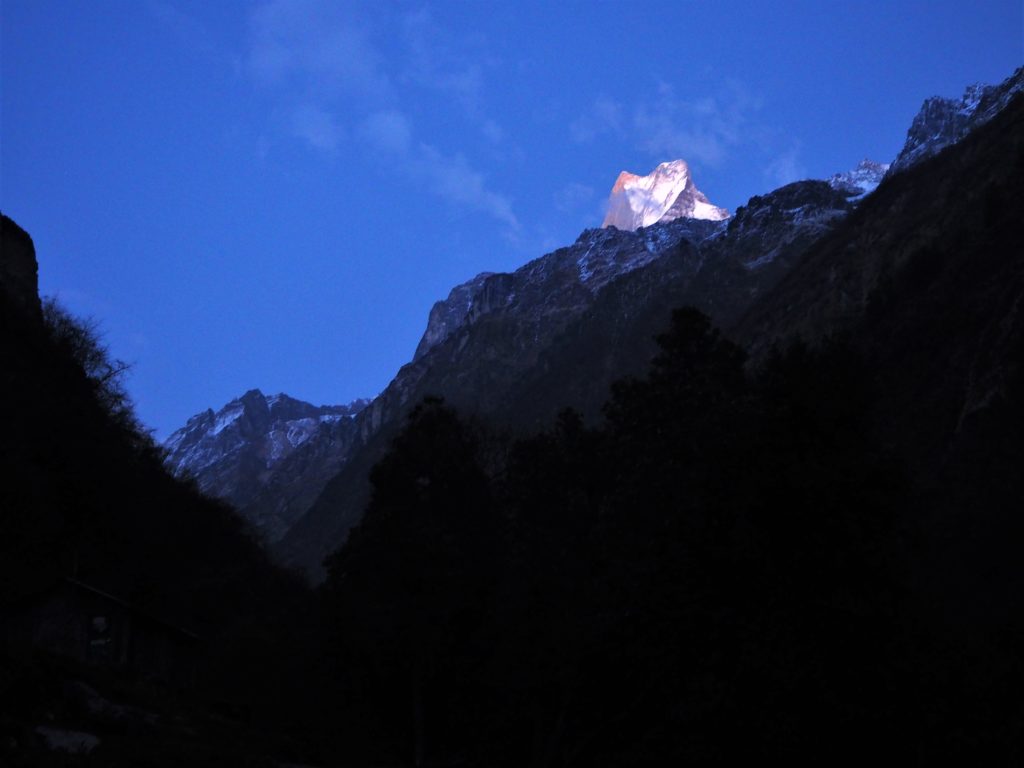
{"type": "Point", "coordinates": [73, 619]}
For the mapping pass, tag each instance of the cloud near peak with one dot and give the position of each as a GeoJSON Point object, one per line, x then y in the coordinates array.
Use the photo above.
{"type": "Point", "coordinates": [319, 61]}
{"type": "Point", "coordinates": [703, 129]}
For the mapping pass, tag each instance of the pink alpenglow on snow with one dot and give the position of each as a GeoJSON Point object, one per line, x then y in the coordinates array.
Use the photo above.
{"type": "Point", "coordinates": [667, 193]}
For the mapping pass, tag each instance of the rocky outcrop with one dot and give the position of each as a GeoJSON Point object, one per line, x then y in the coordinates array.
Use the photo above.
{"type": "Point", "coordinates": [19, 271]}
{"type": "Point", "coordinates": [862, 180]}
{"type": "Point", "coordinates": [447, 315]}
{"type": "Point", "coordinates": [667, 193]}
{"type": "Point", "coordinates": [267, 456]}
{"type": "Point", "coordinates": [942, 122]}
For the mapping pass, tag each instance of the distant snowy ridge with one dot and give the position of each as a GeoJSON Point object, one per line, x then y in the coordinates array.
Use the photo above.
{"type": "Point", "coordinates": [667, 193]}
{"type": "Point", "coordinates": [276, 424]}
{"type": "Point", "coordinates": [236, 452]}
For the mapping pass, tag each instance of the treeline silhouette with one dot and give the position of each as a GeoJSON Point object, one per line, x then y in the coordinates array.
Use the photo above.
{"type": "Point", "coordinates": [732, 566]}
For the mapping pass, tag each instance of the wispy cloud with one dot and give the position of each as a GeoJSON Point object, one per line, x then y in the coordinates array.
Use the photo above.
{"type": "Point", "coordinates": [704, 129]}
{"type": "Point", "coordinates": [192, 34]}
{"type": "Point", "coordinates": [317, 126]}
{"type": "Point", "coordinates": [317, 47]}
{"type": "Point", "coordinates": [573, 197]}
{"type": "Point", "coordinates": [455, 180]}
{"type": "Point", "coordinates": [451, 66]}
{"type": "Point", "coordinates": [785, 168]}
{"type": "Point", "coordinates": [320, 61]}
{"type": "Point", "coordinates": [604, 117]}
{"type": "Point", "coordinates": [387, 131]}
{"type": "Point", "coordinates": [493, 132]}
{"type": "Point", "coordinates": [435, 62]}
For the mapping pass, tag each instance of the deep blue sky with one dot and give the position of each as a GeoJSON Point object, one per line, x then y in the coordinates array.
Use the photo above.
{"type": "Point", "coordinates": [272, 194]}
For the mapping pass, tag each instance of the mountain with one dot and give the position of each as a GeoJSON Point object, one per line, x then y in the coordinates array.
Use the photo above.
{"type": "Point", "coordinates": [667, 193]}
{"type": "Point", "coordinates": [928, 276]}
{"type": "Point", "coordinates": [268, 456]}
{"type": "Point", "coordinates": [942, 121]}
{"type": "Point", "coordinates": [813, 543]}
{"type": "Point", "coordinates": [515, 348]}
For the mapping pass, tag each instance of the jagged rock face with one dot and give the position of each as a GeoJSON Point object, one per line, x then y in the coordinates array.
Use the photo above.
{"type": "Point", "coordinates": [19, 271]}
{"type": "Point", "coordinates": [942, 121]}
{"type": "Point", "coordinates": [667, 193]}
{"type": "Point", "coordinates": [767, 223]}
{"type": "Point", "coordinates": [862, 180]}
{"type": "Point", "coordinates": [237, 453]}
{"type": "Point", "coordinates": [447, 315]}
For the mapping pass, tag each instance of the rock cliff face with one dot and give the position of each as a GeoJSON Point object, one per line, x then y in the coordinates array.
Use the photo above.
{"type": "Point", "coordinates": [942, 121]}
{"type": "Point", "coordinates": [667, 193]}
{"type": "Point", "coordinates": [255, 453]}
{"type": "Point", "coordinates": [19, 271]}
{"type": "Point", "coordinates": [447, 315]}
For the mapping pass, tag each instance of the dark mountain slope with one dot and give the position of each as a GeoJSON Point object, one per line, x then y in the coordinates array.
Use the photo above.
{"type": "Point", "coordinates": [928, 276]}
{"type": "Point", "coordinates": [84, 495]}
{"type": "Point", "coordinates": [84, 491]}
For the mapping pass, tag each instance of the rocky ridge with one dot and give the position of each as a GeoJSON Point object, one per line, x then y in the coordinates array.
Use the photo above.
{"type": "Point", "coordinates": [942, 122]}
{"type": "Point", "coordinates": [861, 180]}
{"type": "Point", "coordinates": [515, 347]}
{"type": "Point", "coordinates": [237, 452]}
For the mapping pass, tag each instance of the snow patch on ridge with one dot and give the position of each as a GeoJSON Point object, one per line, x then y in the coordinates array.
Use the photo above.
{"type": "Point", "coordinates": [225, 419]}
{"type": "Point", "coordinates": [861, 181]}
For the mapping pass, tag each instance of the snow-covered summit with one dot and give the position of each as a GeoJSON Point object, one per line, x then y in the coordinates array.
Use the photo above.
{"type": "Point", "coordinates": [667, 193]}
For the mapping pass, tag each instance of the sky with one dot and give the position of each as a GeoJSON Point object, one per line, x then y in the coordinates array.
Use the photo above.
{"type": "Point", "coordinates": [273, 194]}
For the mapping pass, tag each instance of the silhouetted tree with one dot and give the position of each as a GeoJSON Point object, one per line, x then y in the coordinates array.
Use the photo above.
{"type": "Point", "coordinates": [81, 340]}
{"type": "Point", "coordinates": [410, 586]}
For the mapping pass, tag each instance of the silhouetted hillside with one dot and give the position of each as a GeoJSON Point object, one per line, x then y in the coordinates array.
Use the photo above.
{"type": "Point", "coordinates": [108, 564]}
